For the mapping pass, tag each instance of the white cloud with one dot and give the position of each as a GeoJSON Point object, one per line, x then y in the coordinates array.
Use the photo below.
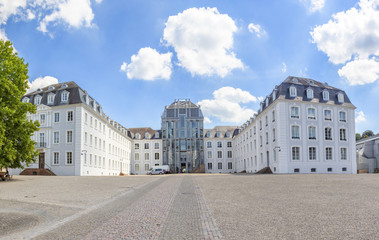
{"type": "Point", "coordinates": [148, 64]}
{"type": "Point", "coordinates": [10, 7]}
{"type": "Point", "coordinates": [226, 105]}
{"type": "Point", "coordinates": [313, 5]}
{"type": "Point", "coordinates": [284, 67]}
{"type": "Point", "coordinates": [260, 99]}
{"type": "Point", "coordinates": [41, 82]}
{"type": "Point", "coordinates": [352, 37]}
{"type": "Point", "coordinates": [256, 29]}
{"type": "Point", "coordinates": [360, 117]}
{"type": "Point", "coordinates": [207, 120]}
{"type": "Point", "coordinates": [75, 13]}
{"type": "Point", "coordinates": [203, 41]}
{"type": "Point", "coordinates": [3, 36]}
{"type": "Point", "coordinates": [360, 71]}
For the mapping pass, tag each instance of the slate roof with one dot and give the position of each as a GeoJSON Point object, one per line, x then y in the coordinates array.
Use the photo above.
{"type": "Point", "coordinates": [142, 132]}
{"type": "Point", "coordinates": [223, 130]}
{"type": "Point", "coordinates": [186, 103]}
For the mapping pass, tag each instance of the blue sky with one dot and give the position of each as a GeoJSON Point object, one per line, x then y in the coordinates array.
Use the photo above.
{"type": "Point", "coordinates": [134, 57]}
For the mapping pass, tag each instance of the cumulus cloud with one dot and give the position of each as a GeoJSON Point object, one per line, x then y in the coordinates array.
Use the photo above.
{"type": "Point", "coordinates": [203, 41]}
{"type": "Point", "coordinates": [149, 65]}
{"type": "Point", "coordinates": [352, 37]}
{"type": "Point", "coordinates": [10, 7]}
{"type": "Point", "coordinates": [226, 105]}
{"type": "Point", "coordinates": [360, 71]}
{"type": "Point", "coordinates": [284, 67]}
{"type": "Point", "coordinates": [75, 13]}
{"type": "Point", "coordinates": [256, 29]}
{"type": "Point", "coordinates": [41, 82]}
{"type": "Point", "coordinates": [313, 5]}
{"type": "Point", "coordinates": [360, 117]}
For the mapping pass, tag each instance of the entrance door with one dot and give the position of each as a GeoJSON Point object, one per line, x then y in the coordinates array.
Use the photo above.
{"type": "Point", "coordinates": [41, 160]}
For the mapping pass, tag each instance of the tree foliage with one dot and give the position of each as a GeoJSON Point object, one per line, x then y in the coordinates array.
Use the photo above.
{"type": "Point", "coordinates": [16, 146]}
{"type": "Point", "coordinates": [367, 133]}
{"type": "Point", "coordinates": [358, 136]}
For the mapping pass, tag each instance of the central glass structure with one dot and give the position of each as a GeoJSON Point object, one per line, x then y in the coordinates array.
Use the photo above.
{"type": "Point", "coordinates": [182, 136]}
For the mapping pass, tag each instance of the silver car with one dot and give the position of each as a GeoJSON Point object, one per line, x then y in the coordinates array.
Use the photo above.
{"type": "Point", "coordinates": [156, 171]}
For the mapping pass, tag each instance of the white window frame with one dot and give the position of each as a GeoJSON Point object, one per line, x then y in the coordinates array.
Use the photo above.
{"type": "Point", "coordinates": [65, 96]}
{"type": "Point", "coordinates": [293, 114]}
{"type": "Point", "coordinates": [44, 118]}
{"type": "Point", "coordinates": [292, 153]}
{"type": "Point", "coordinates": [309, 132]}
{"type": "Point", "coordinates": [54, 158]}
{"type": "Point", "coordinates": [340, 97]}
{"type": "Point", "coordinates": [309, 93]}
{"type": "Point", "coordinates": [325, 115]}
{"type": "Point", "coordinates": [341, 155]}
{"type": "Point", "coordinates": [339, 116]}
{"type": "Point", "coordinates": [292, 132]}
{"type": "Point", "coordinates": [68, 138]}
{"type": "Point", "coordinates": [37, 100]}
{"type": "Point", "coordinates": [325, 95]}
{"type": "Point", "coordinates": [219, 154]}
{"type": "Point", "coordinates": [293, 91]}
{"type": "Point", "coordinates": [326, 135]}
{"type": "Point", "coordinates": [50, 98]}
{"type": "Point", "coordinates": [67, 158]}
{"type": "Point", "coordinates": [56, 142]}
{"type": "Point", "coordinates": [341, 135]}
{"type": "Point", "coordinates": [326, 153]}
{"type": "Point", "coordinates": [309, 117]}
{"type": "Point", "coordinates": [68, 116]}
{"type": "Point", "coordinates": [209, 154]}
{"type": "Point", "coordinates": [315, 153]}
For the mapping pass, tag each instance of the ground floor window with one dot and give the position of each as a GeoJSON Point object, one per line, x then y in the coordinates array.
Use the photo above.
{"type": "Point", "coordinates": [147, 167]}
{"type": "Point", "coordinates": [220, 165]}
{"type": "Point", "coordinates": [69, 158]}
{"type": "Point", "coordinates": [210, 166]}
{"type": "Point", "coordinates": [295, 153]}
{"type": "Point", "coordinates": [56, 158]}
{"type": "Point", "coordinates": [328, 153]}
{"type": "Point", "coordinates": [136, 167]}
{"type": "Point", "coordinates": [230, 165]}
{"type": "Point", "coordinates": [312, 153]}
{"type": "Point", "coordinates": [343, 154]}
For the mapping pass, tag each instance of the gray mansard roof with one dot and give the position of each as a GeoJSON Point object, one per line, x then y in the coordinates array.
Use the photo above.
{"type": "Point", "coordinates": [182, 107]}
{"type": "Point", "coordinates": [142, 132]}
{"type": "Point", "coordinates": [212, 133]}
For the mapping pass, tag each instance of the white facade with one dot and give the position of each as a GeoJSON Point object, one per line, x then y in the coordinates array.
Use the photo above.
{"type": "Point", "coordinates": [218, 150]}
{"type": "Point", "coordinates": [291, 135]}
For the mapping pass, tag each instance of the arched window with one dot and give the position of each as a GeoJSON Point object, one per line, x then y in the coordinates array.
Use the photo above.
{"type": "Point", "coordinates": [25, 100]}
{"type": "Point", "coordinates": [325, 95]}
{"type": "Point", "coordinates": [138, 136]}
{"type": "Point", "coordinates": [340, 97]}
{"type": "Point", "coordinates": [37, 100]}
{"type": "Point", "coordinates": [293, 92]}
{"type": "Point", "coordinates": [50, 98]}
{"type": "Point", "coordinates": [64, 96]}
{"type": "Point", "coordinates": [51, 88]}
{"type": "Point", "coordinates": [310, 93]}
{"type": "Point", "coordinates": [147, 135]}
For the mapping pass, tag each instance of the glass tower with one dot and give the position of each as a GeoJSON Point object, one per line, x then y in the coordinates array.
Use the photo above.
{"type": "Point", "coordinates": [182, 135]}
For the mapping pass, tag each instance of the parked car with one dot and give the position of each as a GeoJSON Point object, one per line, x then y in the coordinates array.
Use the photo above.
{"type": "Point", "coordinates": [156, 171]}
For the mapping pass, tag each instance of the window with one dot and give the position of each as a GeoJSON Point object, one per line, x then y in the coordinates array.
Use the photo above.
{"type": "Point", "coordinates": [69, 137]}
{"type": "Point", "coordinates": [311, 132]}
{"type": "Point", "coordinates": [313, 169]}
{"type": "Point", "coordinates": [70, 116]}
{"type": "Point", "coordinates": [343, 154]}
{"type": "Point", "coordinates": [227, 134]}
{"type": "Point", "coordinates": [42, 119]}
{"type": "Point", "coordinates": [219, 144]}
{"type": "Point", "coordinates": [328, 153]}
{"type": "Point", "coordinates": [64, 97]}
{"type": "Point", "coordinates": [90, 142]}
{"type": "Point", "coordinates": [294, 112]}
{"type": "Point", "coordinates": [96, 124]}
{"type": "Point", "coordinates": [342, 116]}
{"type": "Point", "coordinates": [330, 169]}
{"type": "Point", "coordinates": [340, 97]}
{"type": "Point", "coordinates": [209, 154]}
{"type": "Point", "coordinates": [273, 116]}
{"type": "Point", "coordinates": [274, 155]}
{"type": "Point", "coordinates": [85, 137]}
{"type": "Point", "coordinates": [310, 93]}
{"type": "Point", "coordinates": [260, 124]}
{"type": "Point", "coordinates": [296, 170]}
{"type": "Point", "coordinates": [273, 135]}
{"type": "Point", "coordinates": [156, 156]}
{"type": "Point", "coordinates": [312, 153]}
{"type": "Point", "coordinates": [37, 100]}
{"type": "Point", "coordinates": [342, 134]}
{"type": "Point", "coordinates": [328, 115]}
{"type": "Point", "coordinates": [260, 140]}
{"type": "Point", "coordinates": [209, 144]}
{"type": "Point", "coordinates": [219, 154]}
{"type": "Point", "coordinates": [25, 100]}
{"type": "Point", "coordinates": [311, 113]}
{"type": "Point", "coordinates": [56, 117]}
{"type": "Point", "coordinates": [295, 153]}
{"type": "Point", "coordinates": [219, 165]}
{"type": "Point", "coordinates": [56, 158]}
{"type": "Point", "coordinates": [136, 146]}
{"type": "Point", "coordinates": [210, 166]}
{"type": "Point", "coordinates": [56, 137]}
{"type": "Point", "coordinates": [50, 99]}
{"type": "Point", "coordinates": [230, 165]}
{"type": "Point", "coordinates": [266, 137]}
{"type": "Point", "coordinates": [147, 167]}
{"type": "Point", "coordinates": [255, 130]}
{"type": "Point", "coordinates": [325, 95]}
{"type": "Point", "coordinates": [266, 121]}
{"type": "Point", "coordinates": [295, 132]}
{"type": "Point", "coordinates": [344, 169]}
{"type": "Point", "coordinates": [156, 145]}
{"type": "Point", "coordinates": [328, 133]}
{"type": "Point", "coordinates": [136, 156]}
{"type": "Point", "coordinates": [136, 167]}
{"type": "Point", "coordinates": [147, 157]}
{"type": "Point", "coordinates": [229, 154]}
{"type": "Point", "coordinates": [69, 158]}
{"type": "Point", "coordinates": [229, 144]}
{"type": "Point", "coordinates": [293, 92]}
{"type": "Point", "coordinates": [146, 145]}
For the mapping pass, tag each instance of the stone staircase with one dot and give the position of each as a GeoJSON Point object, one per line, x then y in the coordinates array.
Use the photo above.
{"type": "Point", "coordinates": [200, 169]}
{"type": "Point", "coordinates": [266, 170]}
{"type": "Point", "coordinates": [37, 171]}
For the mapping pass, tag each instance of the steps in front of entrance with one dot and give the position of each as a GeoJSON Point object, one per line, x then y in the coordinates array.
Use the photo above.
{"type": "Point", "coordinates": [37, 171]}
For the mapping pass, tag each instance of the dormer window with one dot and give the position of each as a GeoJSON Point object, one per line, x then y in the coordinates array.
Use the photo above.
{"type": "Point", "coordinates": [64, 86]}
{"type": "Point", "coordinates": [340, 97]}
{"type": "Point", "coordinates": [51, 88]}
{"type": "Point", "coordinates": [208, 134]}
{"type": "Point", "coordinates": [50, 98]}
{"type": "Point", "coordinates": [325, 95]}
{"type": "Point", "coordinates": [156, 134]}
{"type": "Point", "coordinates": [218, 133]}
{"type": "Point", "coordinates": [294, 80]}
{"type": "Point", "coordinates": [64, 96]}
{"type": "Point", "coordinates": [274, 95]}
{"type": "Point", "coordinates": [39, 89]}
{"type": "Point", "coordinates": [138, 136]}
{"type": "Point", "coordinates": [293, 92]}
{"type": "Point", "coordinates": [37, 100]}
{"type": "Point", "coordinates": [25, 100]}
{"type": "Point", "coordinates": [227, 134]}
{"type": "Point", "coordinates": [310, 93]}
{"type": "Point", "coordinates": [267, 101]}
{"type": "Point", "coordinates": [147, 135]}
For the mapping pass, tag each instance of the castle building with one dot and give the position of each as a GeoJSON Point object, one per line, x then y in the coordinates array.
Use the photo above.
{"type": "Point", "coordinates": [302, 126]}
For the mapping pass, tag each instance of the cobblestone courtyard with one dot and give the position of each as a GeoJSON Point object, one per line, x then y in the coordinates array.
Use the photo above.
{"type": "Point", "coordinates": [191, 207]}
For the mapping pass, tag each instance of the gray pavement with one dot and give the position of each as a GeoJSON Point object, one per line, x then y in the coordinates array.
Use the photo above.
{"type": "Point", "coordinates": [198, 206]}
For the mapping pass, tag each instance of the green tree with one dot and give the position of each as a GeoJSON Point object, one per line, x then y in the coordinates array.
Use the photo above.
{"type": "Point", "coordinates": [16, 146]}
{"type": "Point", "coordinates": [358, 137]}
{"type": "Point", "coordinates": [367, 133]}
